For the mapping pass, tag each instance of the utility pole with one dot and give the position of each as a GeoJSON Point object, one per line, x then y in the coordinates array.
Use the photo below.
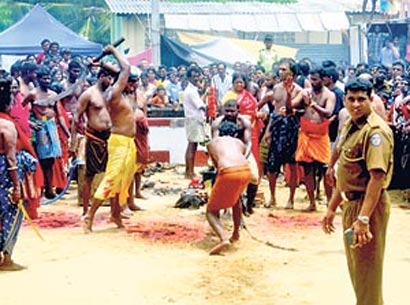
{"type": "Point", "coordinates": [155, 32]}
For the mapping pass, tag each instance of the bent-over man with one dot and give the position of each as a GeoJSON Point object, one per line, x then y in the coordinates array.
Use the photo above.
{"type": "Point", "coordinates": [228, 155]}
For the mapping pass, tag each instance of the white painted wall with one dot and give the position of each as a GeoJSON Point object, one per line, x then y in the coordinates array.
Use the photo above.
{"type": "Point", "coordinates": [170, 139]}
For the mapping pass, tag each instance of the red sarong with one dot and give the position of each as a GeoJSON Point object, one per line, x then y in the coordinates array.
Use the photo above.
{"type": "Point", "coordinates": [229, 185]}
{"type": "Point", "coordinates": [313, 142]}
{"type": "Point", "coordinates": [31, 185]}
{"type": "Point", "coordinates": [249, 106]}
{"type": "Point", "coordinates": [60, 178]}
{"type": "Point", "coordinates": [141, 141]}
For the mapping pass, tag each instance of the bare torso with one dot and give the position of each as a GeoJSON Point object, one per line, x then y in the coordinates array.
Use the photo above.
{"type": "Point", "coordinates": [324, 98]}
{"type": "Point", "coordinates": [70, 103]}
{"type": "Point", "coordinates": [227, 152]}
{"type": "Point", "coordinates": [122, 116]}
{"type": "Point", "coordinates": [280, 96]}
{"type": "Point", "coordinates": [43, 111]}
{"type": "Point", "coordinates": [8, 138]}
{"type": "Point", "coordinates": [96, 111]}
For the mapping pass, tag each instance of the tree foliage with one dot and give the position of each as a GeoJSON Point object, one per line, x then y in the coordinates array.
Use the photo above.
{"type": "Point", "coordinates": [89, 18]}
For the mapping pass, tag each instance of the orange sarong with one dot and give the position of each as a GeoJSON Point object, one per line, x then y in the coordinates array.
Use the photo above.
{"type": "Point", "coordinates": [313, 142]}
{"type": "Point", "coordinates": [229, 185]}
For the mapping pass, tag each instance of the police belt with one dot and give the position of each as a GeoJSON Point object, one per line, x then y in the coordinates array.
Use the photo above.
{"type": "Point", "coordinates": [350, 196]}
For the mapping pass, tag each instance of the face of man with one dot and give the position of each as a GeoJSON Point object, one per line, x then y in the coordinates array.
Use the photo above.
{"type": "Point", "coordinates": [397, 70]}
{"type": "Point", "coordinates": [54, 49]}
{"type": "Point", "coordinates": [259, 74]}
{"type": "Point", "coordinates": [221, 70]}
{"type": "Point", "coordinates": [45, 46]}
{"type": "Point", "coordinates": [194, 78]}
{"type": "Point", "coordinates": [163, 73]}
{"type": "Point", "coordinates": [358, 104]}
{"type": "Point", "coordinates": [44, 82]}
{"type": "Point", "coordinates": [284, 71]}
{"type": "Point", "coordinates": [144, 64]}
{"type": "Point", "coordinates": [316, 81]}
{"type": "Point", "coordinates": [32, 75]}
{"type": "Point", "coordinates": [132, 86]}
{"type": "Point", "coordinates": [268, 44]}
{"type": "Point", "coordinates": [214, 69]}
{"type": "Point", "coordinates": [106, 81]}
{"type": "Point", "coordinates": [74, 73]}
{"type": "Point", "coordinates": [230, 111]}
{"type": "Point", "coordinates": [144, 81]}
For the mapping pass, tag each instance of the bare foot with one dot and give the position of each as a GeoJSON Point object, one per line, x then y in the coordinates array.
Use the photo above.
{"type": "Point", "coordinates": [139, 196]}
{"type": "Point", "coordinates": [87, 225]}
{"type": "Point", "coordinates": [126, 213]}
{"type": "Point", "coordinates": [234, 238]}
{"type": "Point", "coordinates": [310, 208]}
{"type": "Point", "coordinates": [220, 247]}
{"type": "Point", "coordinates": [117, 221]}
{"type": "Point", "coordinates": [133, 207]}
{"type": "Point", "coordinates": [11, 266]}
{"type": "Point", "coordinates": [289, 206]}
{"type": "Point", "coordinates": [270, 204]}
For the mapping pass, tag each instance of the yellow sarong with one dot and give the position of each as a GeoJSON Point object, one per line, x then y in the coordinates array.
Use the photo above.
{"type": "Point", "coordinates": [120, 169]}
{"type": "Point", "coordinates": [230, 95]}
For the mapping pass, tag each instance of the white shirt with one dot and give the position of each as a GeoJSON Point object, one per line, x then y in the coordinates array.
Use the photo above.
{"type": "Point", "coordinates": [221, 86]}
{"type": "Point", "coordinates": [192, 103]}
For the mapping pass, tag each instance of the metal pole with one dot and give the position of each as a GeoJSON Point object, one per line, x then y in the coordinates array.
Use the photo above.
{"type": "Point", "coordinates": [155, 32]}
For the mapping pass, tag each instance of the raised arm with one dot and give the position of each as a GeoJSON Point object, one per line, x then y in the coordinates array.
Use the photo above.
{"type": "Point", "coordinates": [122, 80]}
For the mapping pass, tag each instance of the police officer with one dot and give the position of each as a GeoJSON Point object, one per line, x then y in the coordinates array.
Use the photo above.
{"type": "Point", "coordinates": [267, 56]}
{"type": "Point", "coordinates": [364, 172]}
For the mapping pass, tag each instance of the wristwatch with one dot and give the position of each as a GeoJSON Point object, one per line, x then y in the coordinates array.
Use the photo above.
{"type": "Point", "coordinates": [363, 219]}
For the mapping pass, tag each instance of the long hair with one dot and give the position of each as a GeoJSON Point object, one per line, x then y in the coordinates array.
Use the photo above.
{"type": "Point", "coordinates": [5, 94]}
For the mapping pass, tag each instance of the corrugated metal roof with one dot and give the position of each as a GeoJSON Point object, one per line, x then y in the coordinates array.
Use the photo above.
{"type": "Point", "coordinates": [279, 22]}
{"type": "Point", "coordinates": [243, 7]}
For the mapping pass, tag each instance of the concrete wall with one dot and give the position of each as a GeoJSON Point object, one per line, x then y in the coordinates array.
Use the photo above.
{"type": "Point", "coordinates": [167, 140]}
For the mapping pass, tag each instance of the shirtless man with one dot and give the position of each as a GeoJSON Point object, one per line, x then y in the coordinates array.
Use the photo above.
{"type": "Point", "coordinates": [121, 148]}
{"type": "Point", "coordinates": [231, 114]}
{"type": "Point", "coordinates": [28, 78]}
{"type": "Point", "coordinates": [282, 132]}
{"type": "Point", "coordinates": [74, 84]}
{"type": "Point", "coordinates": [92, 103]}
{"type": "Point", "coordinates": [313, 150]}
{"type": "Point", "coordinates": [47, 119]}
{"type": "Point", "coordinates": [228, 155]}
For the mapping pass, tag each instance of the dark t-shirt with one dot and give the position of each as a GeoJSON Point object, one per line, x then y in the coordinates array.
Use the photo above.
{"type": "Point", "coordinates": [333, 127]}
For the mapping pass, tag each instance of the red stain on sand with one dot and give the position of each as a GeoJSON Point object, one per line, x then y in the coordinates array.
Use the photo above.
{"type": "Point", "coordinates": [153, 230]}
{"type": "Point", "coordinates": [168, 232]}
{"type": "Point", "coordinates": [60, 219]}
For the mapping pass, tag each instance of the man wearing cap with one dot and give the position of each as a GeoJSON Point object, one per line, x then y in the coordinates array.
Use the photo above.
{"type": "Point", "coordinates": [267, 56]}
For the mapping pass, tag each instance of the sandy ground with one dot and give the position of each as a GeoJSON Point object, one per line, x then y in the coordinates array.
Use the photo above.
{"type": "Point", "coordinates": [162, 257]}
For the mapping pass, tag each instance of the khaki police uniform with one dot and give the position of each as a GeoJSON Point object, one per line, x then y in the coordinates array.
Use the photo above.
{"type": "Point", "coordinates": [267, 58]}
{"type": "Point", "coordinates": [362, 148]}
